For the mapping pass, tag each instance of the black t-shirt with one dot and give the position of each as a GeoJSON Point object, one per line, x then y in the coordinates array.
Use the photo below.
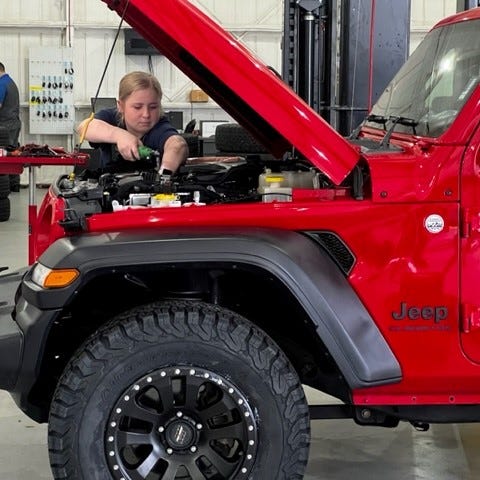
{"type": "Point", "coordinates": [110, 159]}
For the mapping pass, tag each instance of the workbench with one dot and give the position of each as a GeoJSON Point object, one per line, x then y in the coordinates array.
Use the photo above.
{"type": "Point", "coordinates": [16, 163]}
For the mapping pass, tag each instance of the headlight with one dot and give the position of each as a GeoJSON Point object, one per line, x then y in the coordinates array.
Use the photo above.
{"type": "Point", "coordinates": [53, 278]}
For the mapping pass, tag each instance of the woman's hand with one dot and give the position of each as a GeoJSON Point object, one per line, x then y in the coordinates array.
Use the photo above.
{"type": "Point", "coordinates": [98, 131]}
{"type": "Point", "coordinates": [127, 144]}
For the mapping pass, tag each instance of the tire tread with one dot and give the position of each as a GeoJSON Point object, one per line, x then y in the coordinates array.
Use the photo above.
{"type": "Point", "coordinates": [180, 319]}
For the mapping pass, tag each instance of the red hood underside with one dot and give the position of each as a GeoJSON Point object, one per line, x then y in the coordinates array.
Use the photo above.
{"type": "Point", "coordinates": [239, 82]}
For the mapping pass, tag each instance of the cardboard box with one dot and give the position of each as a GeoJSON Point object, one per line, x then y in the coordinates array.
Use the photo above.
{"type": "Point", "coordinates": [198, 96]}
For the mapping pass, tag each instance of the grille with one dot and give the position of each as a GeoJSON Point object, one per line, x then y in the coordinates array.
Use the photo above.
{"type": "Point", "coordinates": [335, 247]}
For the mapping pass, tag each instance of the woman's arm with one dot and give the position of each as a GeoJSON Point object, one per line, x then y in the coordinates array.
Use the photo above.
{"type": "Point", "coordinates": [175, 152]}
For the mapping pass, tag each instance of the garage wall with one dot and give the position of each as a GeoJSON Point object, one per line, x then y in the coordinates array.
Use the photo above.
{"type": "Point", "coordinates": [89, 27]}
{"type": "Point", "coordinates": [257, 23]}
{"type": "Point", "coordinates": [426, 13]}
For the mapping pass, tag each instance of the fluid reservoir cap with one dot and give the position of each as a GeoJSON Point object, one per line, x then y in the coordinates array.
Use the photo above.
{"type": "Point", "coordinates": [165, 197]}
{"type": "Point", "coordinates": [274, 179]}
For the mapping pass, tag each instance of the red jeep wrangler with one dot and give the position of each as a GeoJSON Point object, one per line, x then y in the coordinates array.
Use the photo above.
{"type": "Point", "coordinates": [165, 329]}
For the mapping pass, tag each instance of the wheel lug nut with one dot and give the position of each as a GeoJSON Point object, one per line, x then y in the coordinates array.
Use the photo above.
{"type": "Point", "coordinates": [179, 414]}
{"type": "Point", "coordinates": [161, 429]}
{"type": "Point", "coordinates": [169, 451]}
{"type": "Point", "coordinates": [193, 449]}
{"type": "Point", "coordinates": [199, 426]}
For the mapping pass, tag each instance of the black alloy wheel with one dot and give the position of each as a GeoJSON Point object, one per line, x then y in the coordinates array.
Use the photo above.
{"type": "Point", "coordinates": [179, 390]}
{"type": "Point", "coordinates": [181, 422]}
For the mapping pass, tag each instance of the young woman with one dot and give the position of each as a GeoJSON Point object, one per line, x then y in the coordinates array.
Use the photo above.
{"type": "Point", "coordinates": [137, 120]}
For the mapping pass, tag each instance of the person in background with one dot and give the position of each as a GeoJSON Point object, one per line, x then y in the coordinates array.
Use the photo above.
{"type": "Point", "coordinates": [137, 120]}
{"type": "Point", "coordinates": [10, 124]}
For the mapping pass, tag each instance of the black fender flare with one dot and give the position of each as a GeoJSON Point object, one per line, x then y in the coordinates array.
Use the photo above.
{"type": "Point", "coordinates": [341, 320]}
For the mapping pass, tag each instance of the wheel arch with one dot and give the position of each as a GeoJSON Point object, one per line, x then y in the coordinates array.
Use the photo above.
{"type": "Point", "coordinates": [286, 266]}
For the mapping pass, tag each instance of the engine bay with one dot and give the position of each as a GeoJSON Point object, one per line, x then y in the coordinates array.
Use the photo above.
{"type": "Point", "coordinates": [201, 181]}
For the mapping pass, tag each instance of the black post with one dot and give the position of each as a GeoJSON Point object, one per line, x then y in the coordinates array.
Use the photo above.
{"type": "Point", "coordinates": [308, 57]}
{"type": "Point", "coordinates": [374, 45]}
{"type": "Point", "coordinates": [307, 48]}
{"type": "Point", "coordinates": [341, 81]}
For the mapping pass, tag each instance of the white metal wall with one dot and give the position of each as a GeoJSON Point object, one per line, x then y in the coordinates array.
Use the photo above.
{"type": "Point", "coordinates": [425, 13]}
{"type": "Point", "coordinates": [89, 27]}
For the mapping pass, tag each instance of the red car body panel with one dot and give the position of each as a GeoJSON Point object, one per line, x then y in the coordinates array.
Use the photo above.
{"type": "Point", "coordinates": [400, 265]}
{"type": "Point", "coordinates": [458, 17]}
{"type": "Point", "coordinates": [48, 229]}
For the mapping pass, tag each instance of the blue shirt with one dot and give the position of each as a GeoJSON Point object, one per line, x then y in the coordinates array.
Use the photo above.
{"type": "Point", "coordinates": [155, 138]}
{"type": "Point", "coordinates": [9, 98]}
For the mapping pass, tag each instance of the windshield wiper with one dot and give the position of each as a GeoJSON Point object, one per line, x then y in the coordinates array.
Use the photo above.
{"type": "Point", "coordinates": [377, 119]}
{"type": "Point", "coordinates": [408, 122]}
{"type": "Point", "coordinates": [369, 118]}
{"type": "Point", "coordinates": [385, 143]}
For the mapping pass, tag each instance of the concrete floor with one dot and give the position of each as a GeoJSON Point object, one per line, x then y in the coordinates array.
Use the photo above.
{"type": "Point", "coordinates": [340, 450]}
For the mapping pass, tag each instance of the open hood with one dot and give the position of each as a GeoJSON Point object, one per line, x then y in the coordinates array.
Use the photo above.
{"type": "Point", "coordinates": [239, 82]}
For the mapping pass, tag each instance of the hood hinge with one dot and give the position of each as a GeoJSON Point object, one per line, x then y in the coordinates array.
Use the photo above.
{"type": "Point", "coordinates": [470, 318]}
{"type": "Point", "coordinates": [470, 222]}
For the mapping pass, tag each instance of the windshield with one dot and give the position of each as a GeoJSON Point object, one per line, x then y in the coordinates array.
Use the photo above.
{"type": "Point", "coordinates": [435, 82]}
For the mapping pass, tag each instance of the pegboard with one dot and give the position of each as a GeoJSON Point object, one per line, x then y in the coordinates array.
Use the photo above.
{"type": "Point", "coordinates": [51, 84]}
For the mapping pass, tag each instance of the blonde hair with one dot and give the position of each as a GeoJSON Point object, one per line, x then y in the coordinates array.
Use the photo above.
{"type": "Point", "coordinates": [133, 81]}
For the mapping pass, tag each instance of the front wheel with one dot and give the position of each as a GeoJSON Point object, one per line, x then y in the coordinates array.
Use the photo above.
{"type": "Point", "coordinates": [179, 390]}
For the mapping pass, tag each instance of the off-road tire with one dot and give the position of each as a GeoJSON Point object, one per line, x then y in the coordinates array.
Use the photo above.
{"type": "Point", "coordinates": [233, 138]}
{"type": "Point", "coordinates": [4, 209]}
{"type": "Point", "coordinates": [14, 182]}
{"type": "Point", "coordinates": [193, 143]}
{"type": "Point", "coordinates": [227, 374]}
{"type": "Point", "coordinates": [4, 186]}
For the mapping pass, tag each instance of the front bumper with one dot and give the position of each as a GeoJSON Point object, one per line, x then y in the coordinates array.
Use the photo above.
{"type": "Point", "coordinates": [11, 336]}
{"type": "Point", "coordinates": [23, 332]}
